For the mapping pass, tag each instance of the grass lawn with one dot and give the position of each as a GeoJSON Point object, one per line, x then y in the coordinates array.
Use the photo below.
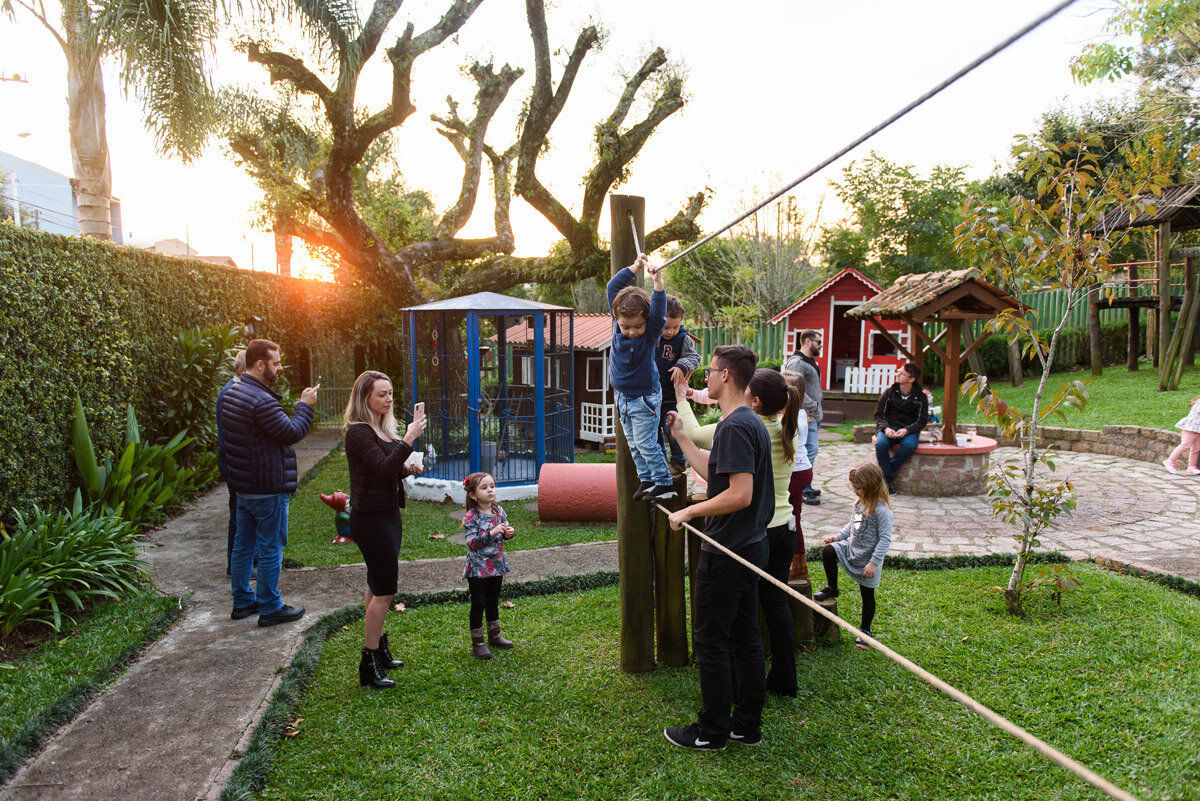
{"type": "Point", "coordinates": [310, 525]}
{"type": "Point", "coordinates": [51, 679]}
{"type": "Point", "coordinates": [1109, 677]}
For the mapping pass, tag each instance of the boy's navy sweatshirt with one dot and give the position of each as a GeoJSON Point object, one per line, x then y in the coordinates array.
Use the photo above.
{"type": "Point", "coordinates": [631, 369]}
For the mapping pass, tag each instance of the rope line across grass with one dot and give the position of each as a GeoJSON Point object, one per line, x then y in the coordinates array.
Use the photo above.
{"type": "Point", "coordinates": [1045, 749]}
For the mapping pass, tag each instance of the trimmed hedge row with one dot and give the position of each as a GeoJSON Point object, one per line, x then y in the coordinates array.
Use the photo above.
{"type": "Point", "coordinates": [82, 316]}
{"type": "Point", "coordinates": [1072, 352]}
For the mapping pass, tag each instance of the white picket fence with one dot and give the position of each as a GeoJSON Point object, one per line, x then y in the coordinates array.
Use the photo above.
{"type": "Point", "coordinates": [869, 380]}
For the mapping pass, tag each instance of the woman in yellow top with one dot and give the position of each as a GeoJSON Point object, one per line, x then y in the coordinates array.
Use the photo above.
{"type": "Point", "coordinates": [776, 404]}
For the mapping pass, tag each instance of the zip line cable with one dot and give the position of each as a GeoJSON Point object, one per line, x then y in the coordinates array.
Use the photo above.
{"type": "Point", "coordinates": [1045, 749]}
{"type": "Point", "coordinates": [878, 128]}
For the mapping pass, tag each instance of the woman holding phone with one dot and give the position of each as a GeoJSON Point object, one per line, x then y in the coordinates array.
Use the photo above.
{"type": "Point", "coordinates": [376, 454]}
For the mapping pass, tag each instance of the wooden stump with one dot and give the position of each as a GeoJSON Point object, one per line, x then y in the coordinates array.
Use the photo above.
{"type": "Point", "coordinates": [802, 616]}
{"type": "Point", "coordinates": [824, 630]}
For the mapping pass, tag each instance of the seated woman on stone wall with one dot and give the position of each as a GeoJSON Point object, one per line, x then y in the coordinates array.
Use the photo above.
{"type": "Point", "coordinates": [902, 412]}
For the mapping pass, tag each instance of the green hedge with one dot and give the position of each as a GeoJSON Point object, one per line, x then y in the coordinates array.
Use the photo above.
{"type": "Point", "coordinates": [1072, 352]}
{"type": "Point", "coordinates": [83, 316]}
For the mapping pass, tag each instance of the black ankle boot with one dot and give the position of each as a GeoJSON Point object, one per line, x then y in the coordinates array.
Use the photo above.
{"type": "Point", "coordinates": [825, 594]}
{"type": "Point", "coordinates": [386, 660]}
{"type": "Point", "coordinates": [369, 672]}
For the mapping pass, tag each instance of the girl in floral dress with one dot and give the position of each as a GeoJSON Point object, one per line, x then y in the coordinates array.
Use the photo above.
{"type": "Point", "coordinates": [487, 528]}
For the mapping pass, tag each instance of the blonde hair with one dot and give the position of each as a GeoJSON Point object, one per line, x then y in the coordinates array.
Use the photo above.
{"type": "Point", "coordinates": [867, 481]}
{"type": "Point", "coordinates": [358, 412]}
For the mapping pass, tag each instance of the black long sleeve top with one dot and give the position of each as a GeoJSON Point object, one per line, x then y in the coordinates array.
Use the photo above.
{"type": "Point", "coordinates": [376, 470]}
{"type": "Point", "coordinates": [895, 410]}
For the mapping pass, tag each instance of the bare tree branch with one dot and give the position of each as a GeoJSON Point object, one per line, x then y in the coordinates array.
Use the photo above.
{"type": "Point", "coordinates": [679, 228]}
{"type": "Point", "coordinates": [284, 67]}
{"type": "Point", "coordinates": [468, 139]}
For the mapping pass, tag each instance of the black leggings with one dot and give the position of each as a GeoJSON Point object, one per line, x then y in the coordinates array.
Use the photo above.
{"type": "Point", "coordinates": [830, 561]}
{"type": "Point", "coordinates": [485, 597]}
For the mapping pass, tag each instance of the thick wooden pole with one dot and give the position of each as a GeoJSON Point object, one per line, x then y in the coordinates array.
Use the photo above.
{"type": "Point", "coordinates": [670, 604]}
{"type": "Point", "coordinates": [1163, 246]}
{"type": "Point", "coordinates": [1134, 341]}
{"type": "Point", "coordinates": [1186, 325]}
{"type": "Point", "coordinates": [953, 347]}
{"type": "Point", "coordinates": [1096, 352]}
{"type": "Point", "coordinates": [635, 556]}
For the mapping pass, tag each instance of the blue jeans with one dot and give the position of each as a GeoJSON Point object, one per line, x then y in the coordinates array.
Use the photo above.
{"type": "Point", "coordinates": [639, 420]}
{"type": "Point", "coordinates": [810, 444]}
{"type": "Point", "coordinates": [262, 530]}
{"type": "Point", "coordinates": [232, 531]}
{"type": "Point", "coordinates": [889, 463]}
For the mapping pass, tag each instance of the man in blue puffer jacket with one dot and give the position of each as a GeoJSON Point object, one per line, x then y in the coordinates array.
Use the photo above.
{"type": "Point", "coordinates": [260, 466]}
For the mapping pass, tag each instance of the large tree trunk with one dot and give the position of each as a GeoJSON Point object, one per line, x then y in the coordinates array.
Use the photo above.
{"type": "Point", "coordinates": [1096, 352]}
{"type": "Point", "coordinates": [89, 144]}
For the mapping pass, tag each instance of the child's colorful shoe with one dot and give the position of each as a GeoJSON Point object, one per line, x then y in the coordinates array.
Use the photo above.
{"type": "Point", "coordinates": [663, 492]}
{"type": "Point", "coordinates": [642, 489]}
{"type": "Point", "coordinates": [1193, 471]}
{"type": "Point", "coordinates": [825, 594]}
{"type": "Point", "coordinates": [861, 643]}
{"type": "Point", "coordinates": [1170, 467]}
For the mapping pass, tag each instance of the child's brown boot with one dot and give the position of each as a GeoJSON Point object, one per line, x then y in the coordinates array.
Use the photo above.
{"type": "Point", "coordinates": [479, 648]}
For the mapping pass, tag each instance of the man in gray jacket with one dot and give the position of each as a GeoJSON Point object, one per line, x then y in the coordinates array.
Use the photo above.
{"type": "Point", "coordinates": [804, 362]}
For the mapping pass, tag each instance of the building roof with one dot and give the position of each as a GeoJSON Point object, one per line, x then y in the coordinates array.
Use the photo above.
{"type": "Point", "coordinates": [1177, 204]}
{"type": "Point", "coordinates": [783, 315]}
{"type": "Point", "coordinates": [922, 296]}
{"type": "Point", "coordinates": [492, 302]}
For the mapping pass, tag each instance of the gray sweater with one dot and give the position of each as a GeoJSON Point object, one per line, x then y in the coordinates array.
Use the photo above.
{"type": "Point", "coordinates": [866, 538]}
{"type": "Point", "coordinates": [812, 384]}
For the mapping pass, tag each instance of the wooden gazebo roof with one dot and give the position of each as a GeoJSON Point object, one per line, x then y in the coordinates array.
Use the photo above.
{"type": "Point", "coordinates": [937, 296]}
{"type": "Point", "coordinates": [1178, 204]}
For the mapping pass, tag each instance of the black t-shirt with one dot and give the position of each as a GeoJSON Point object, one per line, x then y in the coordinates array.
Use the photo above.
{"type": "Point", "coordinates": [741, 445]}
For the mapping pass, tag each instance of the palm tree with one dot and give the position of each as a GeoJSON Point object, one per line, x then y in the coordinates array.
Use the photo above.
{"type": "Point", "coordinates": [163, 47]}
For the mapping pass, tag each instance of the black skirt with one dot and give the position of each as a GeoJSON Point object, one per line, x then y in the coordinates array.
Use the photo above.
{"type": "Point", "coordinates": [378, 536]}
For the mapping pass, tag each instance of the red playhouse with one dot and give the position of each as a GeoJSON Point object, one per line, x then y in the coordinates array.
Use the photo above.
{"type": "Point", "coordinates": [856, 359]}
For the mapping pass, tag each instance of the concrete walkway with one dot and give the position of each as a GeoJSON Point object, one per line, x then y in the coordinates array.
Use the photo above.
{"type": "Point", "coordinates": [170, 727]}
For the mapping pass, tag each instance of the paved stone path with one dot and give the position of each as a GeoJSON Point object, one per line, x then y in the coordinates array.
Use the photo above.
{"type": "Point", "coordinates": [171, 726]}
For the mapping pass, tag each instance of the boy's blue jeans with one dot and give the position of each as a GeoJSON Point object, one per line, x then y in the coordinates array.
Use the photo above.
{"type": "Point", "coordinates": [262, 530]}
{"type": "Point", "coordinates": [639, 420]}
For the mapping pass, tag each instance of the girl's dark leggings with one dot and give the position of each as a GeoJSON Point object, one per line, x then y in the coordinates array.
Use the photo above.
{"type": "Point", "coordinates": [829, 560]}
{"type": "Point", "coordinates": [485, 597]}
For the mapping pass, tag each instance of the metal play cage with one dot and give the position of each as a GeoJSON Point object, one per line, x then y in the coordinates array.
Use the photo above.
{"type": "Point", "coordinates": [496, 375]}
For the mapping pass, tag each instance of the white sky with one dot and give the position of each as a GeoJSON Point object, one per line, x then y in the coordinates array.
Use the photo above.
{"type": "Point", "coordinates": [774, 87]}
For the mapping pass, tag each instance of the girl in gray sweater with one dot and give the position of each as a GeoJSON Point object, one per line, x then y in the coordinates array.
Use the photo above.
{"type": "Point", "coordinates": [862, 543]}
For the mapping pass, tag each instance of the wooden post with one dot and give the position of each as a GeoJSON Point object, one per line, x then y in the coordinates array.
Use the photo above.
{"type": "Point", "coordinates": [953, 347]}
{"type": "Point", "coordinates": [917, 345]}
{"type": "Point", "coordinates": [634, 545]}
{"type": "Point", "coordinates": [670, 605]}
{"type": "Point", "coordinates": [1189, 288]}
{"type": "Point", "coordinates": [1134, 341]}
{"type": "Point", "coordinates": [1186, 326]}
{"type": "Point", "coordinates": [1096, 354]}
{"type": "Point", "coordinates": [1163, 245]}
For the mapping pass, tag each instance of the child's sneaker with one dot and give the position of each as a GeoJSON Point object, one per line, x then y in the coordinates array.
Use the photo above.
{"type": "Point", "coordinates": [1193, 471]}
{"type": "Point", "coordinates": [861, 643]}
{"type": "Point", "coordinates": [677, 469]}
{"type": "Point", "coordinates": [825, 594]}
{"type": "Point", "coordinates": [663, 492]}
{"type": "Point", "coordinates": [642, 489]}
{"type": "Point", "coordinates": [1170, 467]}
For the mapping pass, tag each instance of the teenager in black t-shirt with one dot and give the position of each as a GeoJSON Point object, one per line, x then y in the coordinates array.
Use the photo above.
{"type": "Point", "coordinates": [740, 504]}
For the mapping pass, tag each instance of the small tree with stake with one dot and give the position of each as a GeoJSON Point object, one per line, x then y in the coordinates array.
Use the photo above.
{"type": "Point", "coordinates": [1055, 240]}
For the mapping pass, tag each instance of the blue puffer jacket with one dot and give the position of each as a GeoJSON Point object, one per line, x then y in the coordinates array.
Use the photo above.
{"type": "Point", "coordinates": [258, 437]}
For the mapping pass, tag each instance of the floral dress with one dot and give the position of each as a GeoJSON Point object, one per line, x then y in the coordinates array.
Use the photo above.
{"type": "Point", "coordinates": [485, 550]}
{"type": "Point", "coordinates": [1192, 421]}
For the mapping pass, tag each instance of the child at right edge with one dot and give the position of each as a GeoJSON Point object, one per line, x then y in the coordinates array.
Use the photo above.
{"type": "Point", "coordinates": [638, 321]}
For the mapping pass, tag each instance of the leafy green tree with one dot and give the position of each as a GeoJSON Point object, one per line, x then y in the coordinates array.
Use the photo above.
{"type": "Point", "coordinates": [1058, 238]}
{"type": "Point", "coordinates": [324, 207]}
{"type": "Point", "coordinates": [900, 222]}
{"type": "Point", "coordinates": [162, 47]}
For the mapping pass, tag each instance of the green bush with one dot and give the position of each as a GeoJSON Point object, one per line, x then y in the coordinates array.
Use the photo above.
{"type": "Point", "coordinates": [56, 559]}
{"type": "Point", "coordinates": [1073, 352]}
{"type": "Point", "coordinates": [102, 320]}
{"type": "Point", "coordinates": [186, 396]}
{"type": "Point", "coordinates": [146, 480]}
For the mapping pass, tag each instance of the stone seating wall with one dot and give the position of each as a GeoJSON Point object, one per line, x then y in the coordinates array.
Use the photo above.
{"type": "Point", "coordinates": [1130, 442]}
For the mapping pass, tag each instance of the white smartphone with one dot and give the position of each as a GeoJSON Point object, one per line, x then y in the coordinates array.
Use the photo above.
{"type": "Point", "coordinates": [418, 410]}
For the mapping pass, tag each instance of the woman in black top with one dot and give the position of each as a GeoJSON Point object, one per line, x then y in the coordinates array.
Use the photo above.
{"type": "Point", "coordinates": [901, 414]}
{"type": "Point", "coordinates": [376, 454]}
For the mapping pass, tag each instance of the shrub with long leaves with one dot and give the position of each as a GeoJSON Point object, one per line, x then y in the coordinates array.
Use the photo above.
{"type": "Point", "coordinates": [56, 561]}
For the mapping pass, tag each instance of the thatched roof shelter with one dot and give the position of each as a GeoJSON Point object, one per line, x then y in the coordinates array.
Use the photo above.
{"type": "Point", "coordinates": [1178, 204]}
{"type": "Point", "coordinates": [948, 297]}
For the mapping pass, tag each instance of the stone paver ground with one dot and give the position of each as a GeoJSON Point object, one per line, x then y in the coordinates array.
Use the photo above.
{"type": "Point", "coordinates": [170, 727]}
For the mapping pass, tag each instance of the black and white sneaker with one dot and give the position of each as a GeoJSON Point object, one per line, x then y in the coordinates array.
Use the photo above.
{"type": "Point", "coordinates": [240, 612]}
{"type": "Point", "coordinates": [861, 643]}
{"type": "Point", "coordinates": [642, 489]}
{"type": "Point", "coordinates": [691, 737]}
{"type": "Point", "coordinates": [663, 492]}
{"type": "Point", "coordinates": [811, 499]}
{"type": "Point", "coordinates": [745, 737]}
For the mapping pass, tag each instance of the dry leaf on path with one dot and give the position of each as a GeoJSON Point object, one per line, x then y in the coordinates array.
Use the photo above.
{"type": "Point", "coordinates": [437, 536]}
{"type": "Point", "coordinates": [509, 605]}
